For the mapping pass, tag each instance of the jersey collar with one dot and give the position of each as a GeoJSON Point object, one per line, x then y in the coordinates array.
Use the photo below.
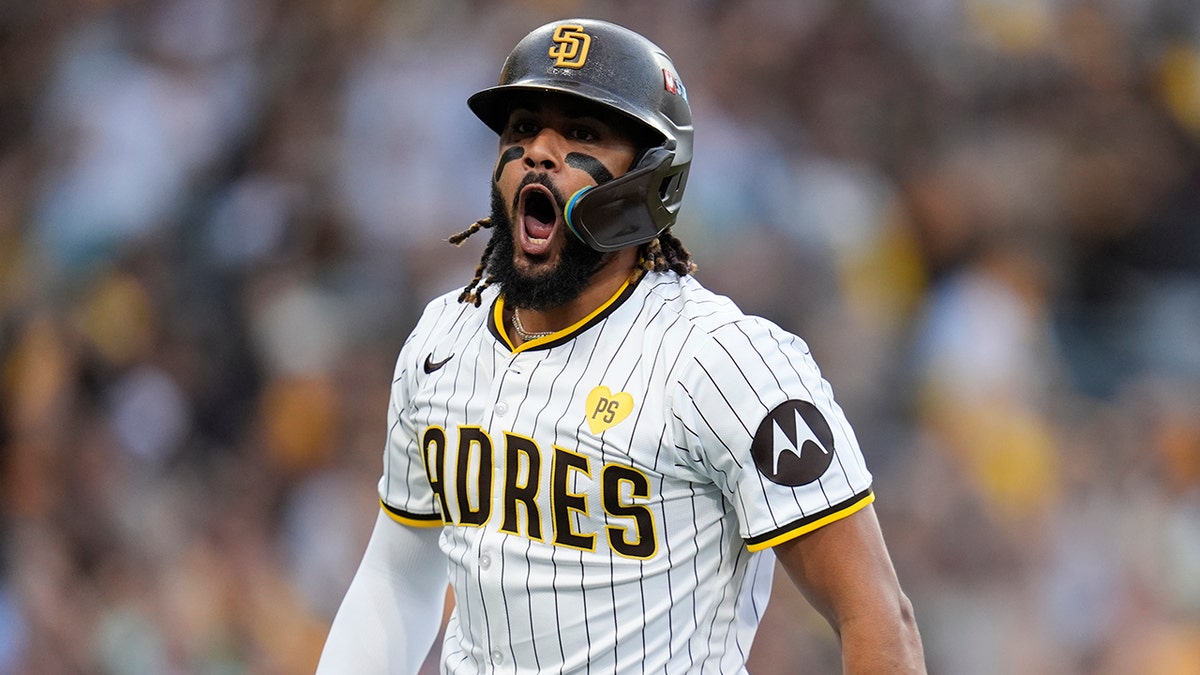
{"type": "Point", "coordinates": [496, 319]}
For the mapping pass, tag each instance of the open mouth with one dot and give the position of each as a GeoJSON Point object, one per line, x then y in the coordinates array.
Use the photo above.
{"type": "Point", "coordinates": [539, 218]}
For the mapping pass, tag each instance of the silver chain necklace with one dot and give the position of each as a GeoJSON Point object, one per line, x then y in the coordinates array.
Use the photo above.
{"type": "Point", "coordinates": [521, 332]}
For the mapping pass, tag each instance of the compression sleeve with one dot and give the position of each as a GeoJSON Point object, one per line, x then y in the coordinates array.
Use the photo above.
{"type": "Point", "coordinates": [392, 611]}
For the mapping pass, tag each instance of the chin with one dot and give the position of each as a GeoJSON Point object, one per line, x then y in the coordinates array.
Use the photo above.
{"type": "Point", "coordinates": [537, 265]}
{"type": "Point", "coordinates": [536, 269]}
{"type": "Point", "coordinates": [540, 281]}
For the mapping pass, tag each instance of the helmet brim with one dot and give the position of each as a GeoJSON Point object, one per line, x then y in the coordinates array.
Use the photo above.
{"type": "Point", "coordinates": [494, 104]}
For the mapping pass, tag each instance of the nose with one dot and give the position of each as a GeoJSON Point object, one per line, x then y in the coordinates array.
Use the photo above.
{"type": "Point", "coordinates": [544, 150]}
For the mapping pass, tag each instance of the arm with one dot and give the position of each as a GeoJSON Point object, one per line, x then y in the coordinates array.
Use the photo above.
{"type": "Point", "coordinates": [844, 570]}
{"type": "Point", "coordinates": [393, 609]}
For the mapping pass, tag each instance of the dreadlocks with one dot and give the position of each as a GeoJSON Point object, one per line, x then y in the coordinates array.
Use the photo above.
{"type": "Point", "coordinates": [473, 290]}
{"type": "Point", "coordinates": [662, 254]}
{"type": "Point", "coordinates": [665, 253]}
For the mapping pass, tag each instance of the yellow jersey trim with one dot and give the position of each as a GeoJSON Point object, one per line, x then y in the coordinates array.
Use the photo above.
{"type": "Point", "coordinates": [498, 318]}
{"type": "Point", "coordinates": [814, 525]}
{"type": "Point", "coordinates": [411, 519]}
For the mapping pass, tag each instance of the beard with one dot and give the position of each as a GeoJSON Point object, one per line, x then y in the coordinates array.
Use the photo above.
{"type": "Point", "coordinates": [562, 283]}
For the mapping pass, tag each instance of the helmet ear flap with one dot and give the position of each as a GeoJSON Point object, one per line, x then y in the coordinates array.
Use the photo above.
{"type": "Point", "coordinates": [632, 209]}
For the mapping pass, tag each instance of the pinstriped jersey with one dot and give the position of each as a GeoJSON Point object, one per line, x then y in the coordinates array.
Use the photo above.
{"type": "Point", "coordinates": [609, 493]}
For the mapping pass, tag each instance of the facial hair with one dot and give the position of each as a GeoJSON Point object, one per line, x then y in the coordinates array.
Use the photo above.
{"type": "Point", "coordinates": [577, 262]}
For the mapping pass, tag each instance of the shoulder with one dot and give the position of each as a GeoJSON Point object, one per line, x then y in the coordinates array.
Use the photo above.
{"type": "Point", "coordinates": [444, 319]}
{"type": "Point", "coordinates": [448, 301]}
{"type": "Point", "coordinates": [698, 340]}
{"type": "Point", "coordinates": [685, 301]}
{"type": "Point", "coordinates": [446, 309]}
{"type": "Point", "coordinates": [711, 320]}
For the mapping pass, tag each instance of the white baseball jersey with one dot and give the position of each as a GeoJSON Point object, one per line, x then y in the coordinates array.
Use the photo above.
{"type": "Point", "coordinates": [609, 493]}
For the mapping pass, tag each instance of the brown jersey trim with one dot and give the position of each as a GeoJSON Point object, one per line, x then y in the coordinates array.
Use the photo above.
{"type": "Point", "coordinates": [413, 519]}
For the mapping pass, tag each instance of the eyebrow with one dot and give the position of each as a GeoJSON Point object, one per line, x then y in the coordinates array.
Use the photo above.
{"type": "Point", "coordinates": [586, 112]}
{"type": "Point", "coordinates": [574, 111]}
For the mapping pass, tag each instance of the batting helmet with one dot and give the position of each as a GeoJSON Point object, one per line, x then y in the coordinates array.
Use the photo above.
{"type": "Point", "coordinates": [620, 70]}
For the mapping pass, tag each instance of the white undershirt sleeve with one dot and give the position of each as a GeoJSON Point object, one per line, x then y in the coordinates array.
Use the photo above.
{"type": "Point", "coordinates": [392, 611]}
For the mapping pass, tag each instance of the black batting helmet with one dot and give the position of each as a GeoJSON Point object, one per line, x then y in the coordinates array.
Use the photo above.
{"type": "Point", "coordinates": [620, 70]}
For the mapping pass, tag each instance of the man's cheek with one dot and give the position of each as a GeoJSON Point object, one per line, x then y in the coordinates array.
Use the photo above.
{"type": "Point", "coordinates": [510, 154]}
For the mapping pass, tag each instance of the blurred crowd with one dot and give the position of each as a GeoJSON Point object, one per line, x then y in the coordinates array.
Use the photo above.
{"type": "Point", "coordinates": [220, 218]}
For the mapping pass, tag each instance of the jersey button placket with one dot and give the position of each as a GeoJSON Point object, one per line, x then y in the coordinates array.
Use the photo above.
{"type": "Point", "coordinates": [490, 582]}
{"type": "Point", "coordinates": [501, 408]}
{"type": "Point", "coordinates": [488, 563]}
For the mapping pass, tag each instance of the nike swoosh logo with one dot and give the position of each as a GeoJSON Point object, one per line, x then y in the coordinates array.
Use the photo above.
{"type": "Point", "coordinates": [431, 365]}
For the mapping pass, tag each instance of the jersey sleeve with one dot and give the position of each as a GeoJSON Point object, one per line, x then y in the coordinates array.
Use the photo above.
{"type": "Point", "coordinates": [753, 414]}
{"type": "Point", "coordinates": [404, 488]}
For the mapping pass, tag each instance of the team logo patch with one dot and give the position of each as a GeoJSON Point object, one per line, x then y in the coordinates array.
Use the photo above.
{"type": "Point", "coordinates": [793, 445]}
{"type": "Point", "coordinates": [673, 84]}
{"type": "Point", "coordinates": [571, 45]}
{"type": "Point", "coordinates": [606, 409]}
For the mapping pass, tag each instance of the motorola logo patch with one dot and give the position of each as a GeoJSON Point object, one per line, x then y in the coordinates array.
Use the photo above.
{"type": "Point", "coordinates": [793, 445]}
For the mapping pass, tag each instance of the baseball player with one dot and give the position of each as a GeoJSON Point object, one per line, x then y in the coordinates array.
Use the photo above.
{"type": "Point", "coordinates": [601, 457]}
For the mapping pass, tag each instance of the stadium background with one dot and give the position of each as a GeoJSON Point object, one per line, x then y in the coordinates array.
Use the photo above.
{"type": "Point", "coordinates": [219, 218]}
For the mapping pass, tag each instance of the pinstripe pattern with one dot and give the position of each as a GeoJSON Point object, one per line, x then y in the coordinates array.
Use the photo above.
{"type": "Point", "coordinates": [636, 553]}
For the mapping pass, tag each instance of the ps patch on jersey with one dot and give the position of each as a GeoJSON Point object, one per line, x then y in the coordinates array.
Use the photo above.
{"type": "Point", "coordinates": [793, 444]}
{"type": "Point", "coordinates": [606, 409]}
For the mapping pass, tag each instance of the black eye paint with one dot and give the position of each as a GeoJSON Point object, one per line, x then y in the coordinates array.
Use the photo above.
{"type": "Point", "coordinates": [514, 153]}
{"type": "Point", "coordinates": [591, 165]}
